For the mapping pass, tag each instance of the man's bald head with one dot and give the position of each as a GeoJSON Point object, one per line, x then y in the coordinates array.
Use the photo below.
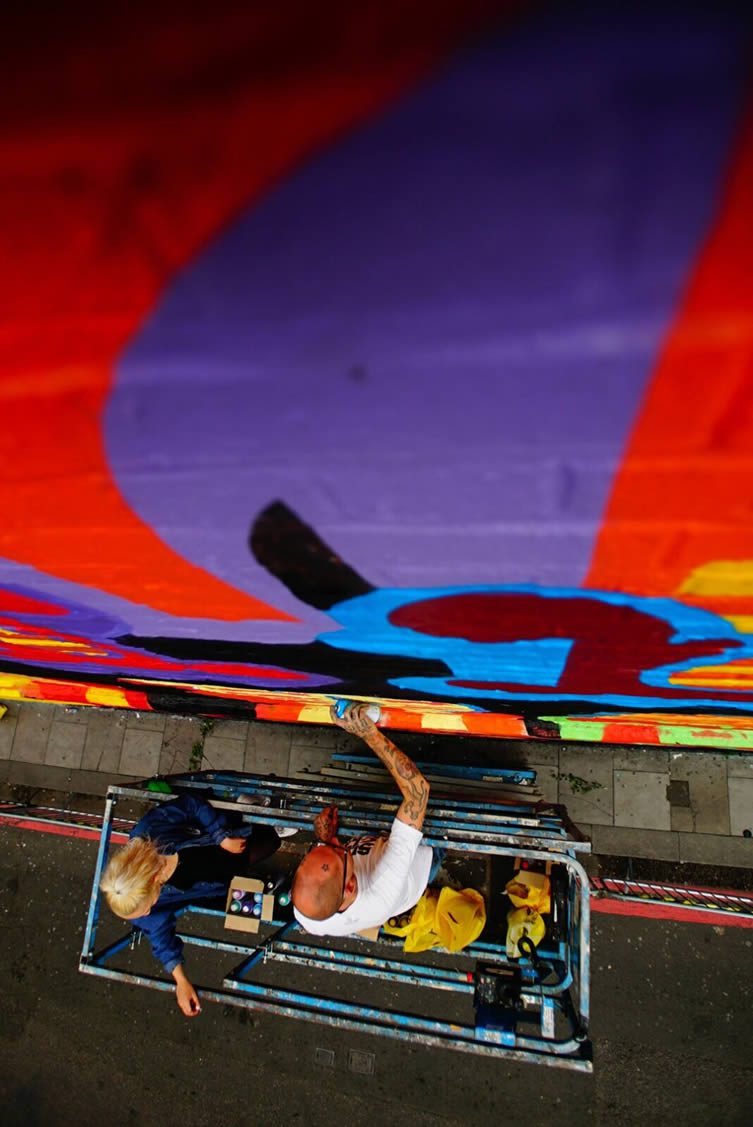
{"type": "Point", "coordinates": [318, 883]}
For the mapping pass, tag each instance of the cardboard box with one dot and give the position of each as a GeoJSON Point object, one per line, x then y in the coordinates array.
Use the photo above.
{"type": "Point", "coordinates": [369, 933]}
{"type": "Point", "coordinates": [245, 921]}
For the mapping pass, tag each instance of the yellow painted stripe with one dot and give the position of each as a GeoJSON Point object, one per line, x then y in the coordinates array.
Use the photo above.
{"type": "Point", "coordinates": [741, 622]}
{"type": "Point", "coordinates": [720, 577]}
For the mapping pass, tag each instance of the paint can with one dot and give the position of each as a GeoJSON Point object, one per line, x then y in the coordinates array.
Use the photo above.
{"type": "Point", "coordinates": [373, 711]}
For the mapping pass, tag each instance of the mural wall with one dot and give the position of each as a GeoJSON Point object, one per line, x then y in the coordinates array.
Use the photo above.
{"type": "Point", "coordinates": [403, 355]}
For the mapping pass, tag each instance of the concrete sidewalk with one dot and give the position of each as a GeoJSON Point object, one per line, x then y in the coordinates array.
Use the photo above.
{"type": "Point", "coordinates": [664, 804]}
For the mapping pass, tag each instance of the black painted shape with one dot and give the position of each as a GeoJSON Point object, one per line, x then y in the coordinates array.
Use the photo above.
{"type": "Point", "coordinates": [372, 671]}
{"type": "Point", "coordinates": [170, 698]}
{"type": "Point", "coordinates": [291, 550]}
{"type": "Point", "coordinates": [543, 729]}
{"type": "Point", "coordinates": [184, 703]}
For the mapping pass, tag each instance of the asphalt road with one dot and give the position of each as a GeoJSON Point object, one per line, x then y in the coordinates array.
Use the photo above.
{"type": "Point", "coordinates": [671, 1031]}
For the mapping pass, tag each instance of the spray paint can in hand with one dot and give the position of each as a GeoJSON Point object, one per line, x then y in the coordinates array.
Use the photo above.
{"type": "Point", "coordinates": [373, 711]}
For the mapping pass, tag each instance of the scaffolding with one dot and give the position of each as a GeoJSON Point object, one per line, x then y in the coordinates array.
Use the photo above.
{"type": "Point", "coordinates": [533, 1008]}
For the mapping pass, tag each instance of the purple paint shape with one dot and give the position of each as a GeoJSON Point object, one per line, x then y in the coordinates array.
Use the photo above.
{"type": "Point", "coordinates": [433, 340]}
{"type": "Point", "coordinates": [108, 655]}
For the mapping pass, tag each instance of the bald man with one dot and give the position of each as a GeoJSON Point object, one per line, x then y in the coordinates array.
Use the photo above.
{"type": "Point", "coordinates": [342, 889]}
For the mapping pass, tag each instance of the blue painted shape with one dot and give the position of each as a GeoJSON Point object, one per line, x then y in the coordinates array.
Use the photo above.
{"type": "Point", "coordinates": [365, 627]}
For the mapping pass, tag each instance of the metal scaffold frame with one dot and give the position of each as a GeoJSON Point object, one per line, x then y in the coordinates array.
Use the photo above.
{"type": "Point", "coordinates": [545, 1014]}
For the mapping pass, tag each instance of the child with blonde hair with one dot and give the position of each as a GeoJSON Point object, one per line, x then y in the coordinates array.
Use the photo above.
{"type": "Point", "coordinates": [181, 851]}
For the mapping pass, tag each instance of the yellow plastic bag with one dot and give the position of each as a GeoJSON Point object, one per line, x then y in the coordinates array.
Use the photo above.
{"type": "Point", "coordinates": [530, 890]}
{"type": "Point", "coordinates": [461, 917]}
{"type": "Point", "coordinates": [418, 919]}
{"type": "Point", "coordinates": [421, 934]}
{"type": "Point", "coordinates": [449, 919]}
{"type": "Point", "coordinates": [523, 922]}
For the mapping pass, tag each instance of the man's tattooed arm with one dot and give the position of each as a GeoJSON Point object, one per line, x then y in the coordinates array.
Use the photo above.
{"type": "Point", "coordinates": [413, 786]}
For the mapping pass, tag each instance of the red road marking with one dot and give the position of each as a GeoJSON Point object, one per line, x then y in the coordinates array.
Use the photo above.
{"type": "Point", "coordinates": [64, 831]}
{"type": "Point", "coordinates": [651, 910]}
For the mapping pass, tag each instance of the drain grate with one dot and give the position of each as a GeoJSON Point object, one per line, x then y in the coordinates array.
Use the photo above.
{"type": "Point", "coordinates": [362, 1063]}
{"type": "Point", "coordinates": [325, 1058]}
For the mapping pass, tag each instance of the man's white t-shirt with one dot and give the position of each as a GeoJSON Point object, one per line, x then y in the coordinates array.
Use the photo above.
{"type": "Point", "coordinates": [392, 874]}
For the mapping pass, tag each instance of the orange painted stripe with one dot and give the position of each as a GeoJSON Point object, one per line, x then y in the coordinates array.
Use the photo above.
{"type": "Point", "coordinates": [682, 495]}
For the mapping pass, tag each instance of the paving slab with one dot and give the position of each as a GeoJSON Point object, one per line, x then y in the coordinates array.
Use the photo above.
{"type": "Point", "coordinates": [640, 799]}
{"type": "Point", "coordinates": [178, 740]}
{"type": "Point", "coordinates": [716, 849]}
{"type": "Point", "coordinates": [72, 714]}
{"type": "Point", "coordinates": [312, 747]}
{"type": "Point", "coordinates": [547, 780]}
{"type": "Point", "coordinates": [230, 729]}
{"type": "Point", "coordinates": [223, 754]}
{"type": "Point", "coordinates": [739, 766]}
{"type": "Point", "coordinates": [8, 729]}
{"type": "Point", "coordinates": [140, 754]}
{"type": "Point", "coordinates": [65, 745]}
{"type": "Point", "coordinates": [148, 721]}
{"type": "Point", "coordinates": [682, 819]}
{"type": "Point", "coordinates": [623, 841]}
{"type": "Point", "coordinates": [104, 741]}
{"type": "Point", "coordinates": [740, 806]}
{"type": "Point", "coordinates": [32, 732]}
{"type": "Point", "coordinates": [533, 752]}
{"type": "Point", "coordinates": [585, 784]}
{"type": "Point", "coordinates": [268, 749]}
{"type": "Point", "coordinates": [304, 757]}
{"type": "Point", "coordinates": [327, 738]}
{"type": "Point", "coordinates": [706, 776]}
{"type": "Point", "coordinates": [640, 759]}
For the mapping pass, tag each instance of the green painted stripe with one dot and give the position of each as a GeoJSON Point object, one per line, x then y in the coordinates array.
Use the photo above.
{"type": "Point", "coordinates": [682, 734]}
{"type": "Point", "coordinates": [686, 736]}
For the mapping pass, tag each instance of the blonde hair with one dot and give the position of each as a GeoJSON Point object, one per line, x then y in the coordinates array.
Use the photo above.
{"type": "Point", "coordinates": [128, 880]}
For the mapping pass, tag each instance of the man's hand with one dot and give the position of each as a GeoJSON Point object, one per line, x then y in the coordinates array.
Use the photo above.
{"type": "Point", "coordinates": [355, 720]}
{"type": "Point", "coordinates": [233, 844]}
{"type": "Point", "coordinates": [185, 995]}
{"type": "Point", "coordinates": [325, 824]}
{"type": "Point", "coordinates": [413, 786]}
